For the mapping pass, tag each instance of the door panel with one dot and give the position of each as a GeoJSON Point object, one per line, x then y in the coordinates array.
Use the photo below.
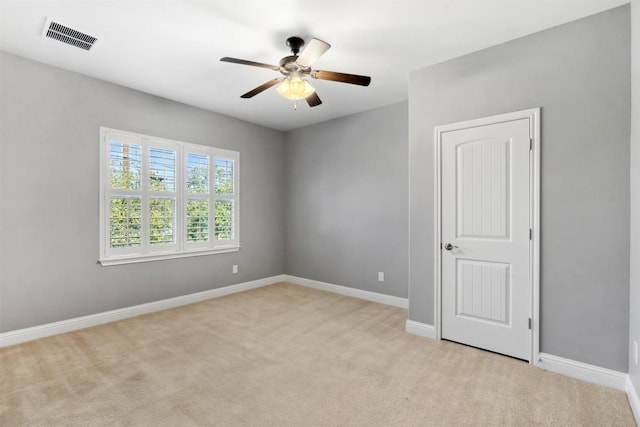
{"type": "Point", "coordinates": [486, 294]}
{"type": "Point", "coordinates": [482, 290]}
{"type": "Point", "coordinates": [483, 188]}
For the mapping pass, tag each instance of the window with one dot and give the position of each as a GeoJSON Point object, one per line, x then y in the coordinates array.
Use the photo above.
{"type": "Point", "coordinates": [165, 199]}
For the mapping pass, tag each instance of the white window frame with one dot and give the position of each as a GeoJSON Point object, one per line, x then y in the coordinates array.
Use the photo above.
{"type": "Point", "coordinates": [180, 248]}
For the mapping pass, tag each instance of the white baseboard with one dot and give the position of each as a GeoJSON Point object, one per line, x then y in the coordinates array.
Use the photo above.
{"type": "Point", "coordinates": [69, 325]}
{"type": "Point", "coordinates": [634, 400]}
{"type": "Point", "coordinates": [350, 292]}
{"type": "Point", "coordinates": [55, 328]}
{"type": "Point", "coordinates": [422, 329]}
{"type": "Point", "coordinates": [583, 371]}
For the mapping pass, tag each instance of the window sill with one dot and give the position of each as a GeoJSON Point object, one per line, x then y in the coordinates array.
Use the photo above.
{"type": "Point", "coordinates": [133, 259]}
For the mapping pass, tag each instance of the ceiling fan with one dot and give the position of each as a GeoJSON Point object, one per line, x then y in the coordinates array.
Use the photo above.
{"type": "Point", "coordinates": [295, 68]}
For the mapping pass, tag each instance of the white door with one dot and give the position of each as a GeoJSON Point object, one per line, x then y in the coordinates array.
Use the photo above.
{"type": "Point", "coordinates": [485, 220]}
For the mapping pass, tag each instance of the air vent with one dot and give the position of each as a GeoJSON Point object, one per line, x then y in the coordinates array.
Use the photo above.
{"type": "Point", "coordinates": [62, 33]}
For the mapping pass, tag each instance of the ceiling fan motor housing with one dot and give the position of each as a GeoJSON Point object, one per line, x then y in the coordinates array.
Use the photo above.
{"type": "Point", "coordinates": [288, 65]}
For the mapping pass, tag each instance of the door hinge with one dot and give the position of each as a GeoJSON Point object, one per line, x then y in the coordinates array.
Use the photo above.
{"type": "Point", "coordinates": [530, 144]}
{"type": "Point", "coordinates": [530, 234]}
{"type": "Point", "coordinates": [530, 323]}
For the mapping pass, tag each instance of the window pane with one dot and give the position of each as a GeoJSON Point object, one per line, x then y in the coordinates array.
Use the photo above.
{"type": "Point", "coordinates": [124, 220]}
{"type": "Point", "coordinates": [197, 221]}
{"type": "Point", "coordinates": [162, 169]}
{"type": "Point", "coordinates": [124, 165]}
{"type": "Point", "coordinates": [224, 219]}
{"type": "Point", "coordinates": [197, 173]}
{"type": "Point", "coordinates": [224, 176]}
{"type": "Point", "coordinates": [161, 215]}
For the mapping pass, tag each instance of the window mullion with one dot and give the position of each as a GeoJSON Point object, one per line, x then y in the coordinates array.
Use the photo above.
{"type": "Point", "coordinates": [181, 203]}
{"type": "Point", "coordinates": [123, 193]}
{"type": "Point", "coordinates": [105, 189]}
{"type": "Point", "coordinates": [236, 200]}
{"type": "Point", "coordinates": [144, 185]}
{"type": "Point", "coordinates": [212, 199]}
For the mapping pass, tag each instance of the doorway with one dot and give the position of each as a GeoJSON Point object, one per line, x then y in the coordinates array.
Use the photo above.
{"type": "Point", "coordinates": [487, 233]}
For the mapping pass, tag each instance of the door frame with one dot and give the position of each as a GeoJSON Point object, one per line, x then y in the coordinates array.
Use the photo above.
{"type": "Point", "coordinates": [533, 115]}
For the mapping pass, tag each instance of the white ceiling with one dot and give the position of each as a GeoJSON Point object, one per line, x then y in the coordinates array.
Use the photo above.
{"type": "Point", "coordinates": [171, 48]}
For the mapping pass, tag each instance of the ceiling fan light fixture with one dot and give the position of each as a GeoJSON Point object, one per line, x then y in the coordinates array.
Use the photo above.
{"type": "Point", "coordinates": [295, 88]}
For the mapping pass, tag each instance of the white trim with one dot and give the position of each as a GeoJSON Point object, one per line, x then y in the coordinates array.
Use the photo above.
{"type": "Point", "coordinates": [421, 329]}
{"type": "Point", "coordinates": [634, 400]}
{"type": "Point", "coordinates": [55, 328]}
{"type": "Point", "coordinates": [583, 371]}
{"type": "Point", "coordinates": [535, 227]}
{"type": "Point", "coordinates": [350, 292]}
{"type": "Point", "coordinates": [533, 115]}
{"type": "Point", "coordinates": [128, 259]}
{"type": "Point", "coordinates": [437, 234]}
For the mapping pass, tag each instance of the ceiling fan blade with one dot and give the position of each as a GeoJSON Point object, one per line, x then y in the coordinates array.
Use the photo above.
{"type": "Point", "coordinates": [262, 87]}
{"type": "Point", "coordinates": [312, 52]}
{"type": "Point", "coordinates": [341, 77]}
{"type": "Point", "coordinates": [313, 100]}
{"type": "Point", "coordinates": [252, 63]}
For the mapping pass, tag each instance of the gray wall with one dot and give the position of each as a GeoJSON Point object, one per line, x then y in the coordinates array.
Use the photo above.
{"type": "Point", "coordinates": [579, 73]}
{"type": "Point", "coordinates": [347, 198]}
{"type": "Point", "coordinates": [49, 142]}
{"type": "Point", "coordinates": [634, 279]}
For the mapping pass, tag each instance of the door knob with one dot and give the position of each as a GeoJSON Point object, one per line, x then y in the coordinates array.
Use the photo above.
{"type": "Point", "coordinates": [449, 246]}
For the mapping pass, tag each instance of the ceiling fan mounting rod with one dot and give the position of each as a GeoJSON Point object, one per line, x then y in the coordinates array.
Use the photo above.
{"type": "Point", "coordinates": [295, 43]}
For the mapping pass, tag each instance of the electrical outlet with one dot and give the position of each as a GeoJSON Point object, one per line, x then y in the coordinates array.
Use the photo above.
{"type": "Point", "coordinates": [635, 351]}
{"type": "Point", "coordinates": [380, 276]}
{"type": "Point", "coordinates": [235, 269]}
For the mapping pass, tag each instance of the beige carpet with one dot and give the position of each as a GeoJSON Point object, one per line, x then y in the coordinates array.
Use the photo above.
{"type": "Point", "coordinates": [283, 356]}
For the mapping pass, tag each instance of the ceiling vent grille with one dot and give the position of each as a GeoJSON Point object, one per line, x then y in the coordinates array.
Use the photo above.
{"type": "Point", "coordinates": [62, 33]}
